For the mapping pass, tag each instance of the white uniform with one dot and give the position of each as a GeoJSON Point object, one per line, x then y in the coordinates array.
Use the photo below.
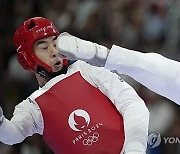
{"type": "Point", "coordinates": [154, 71]}
{"type": "Point", "coordinates": [27, 118]}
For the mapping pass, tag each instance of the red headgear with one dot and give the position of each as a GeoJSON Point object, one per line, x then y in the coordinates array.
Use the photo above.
{"type": "Point", "coordinates": [26, 35]}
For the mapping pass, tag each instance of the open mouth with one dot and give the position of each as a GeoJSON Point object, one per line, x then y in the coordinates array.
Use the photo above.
{"type": "Point", "coordinates": [57, 63]}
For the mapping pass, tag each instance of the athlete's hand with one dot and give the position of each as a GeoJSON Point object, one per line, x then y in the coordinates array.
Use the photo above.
{"type": "Point", "coordinates": [78, 49]}
{"type": "Point", "coordinates": [1, 115]}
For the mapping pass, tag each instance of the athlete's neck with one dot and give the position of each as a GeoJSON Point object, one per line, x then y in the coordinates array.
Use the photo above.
{"type": "Point", "coordinates": [41, 81]}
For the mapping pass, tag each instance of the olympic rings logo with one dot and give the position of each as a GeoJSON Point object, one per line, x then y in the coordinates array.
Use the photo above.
{"type": "Point", "coordinates": [89, 141]}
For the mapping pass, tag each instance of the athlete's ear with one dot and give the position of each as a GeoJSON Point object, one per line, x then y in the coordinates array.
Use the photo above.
{"type": "Point", "coordinates": [24, 60]}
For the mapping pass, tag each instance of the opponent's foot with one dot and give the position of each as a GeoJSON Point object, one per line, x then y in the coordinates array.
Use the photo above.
{"type": "Point", "coordinates": [78, 49]}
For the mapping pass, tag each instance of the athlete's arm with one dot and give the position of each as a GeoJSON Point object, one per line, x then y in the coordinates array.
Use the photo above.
{"type": "Point", "coordinates": [128, 103]}
{"type": "Point", "coordinates": [21, 125]}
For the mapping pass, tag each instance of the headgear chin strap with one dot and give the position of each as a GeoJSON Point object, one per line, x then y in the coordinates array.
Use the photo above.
{"type": "Point", "coordinates": [45, 74]}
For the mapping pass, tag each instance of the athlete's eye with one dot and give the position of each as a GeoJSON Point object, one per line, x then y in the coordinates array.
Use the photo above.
{"type": "Point", "coordinates": [43, 46]}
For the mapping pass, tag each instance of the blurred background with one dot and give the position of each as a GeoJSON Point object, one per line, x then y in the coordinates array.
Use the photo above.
{"type": "Point", "coordinates": [146, 26]}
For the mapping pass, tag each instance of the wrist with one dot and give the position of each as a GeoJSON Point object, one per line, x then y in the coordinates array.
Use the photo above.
{"type": "Point", "coordinates": [135, 147]}
{"type": "Point", "coordinates": [134, 152]}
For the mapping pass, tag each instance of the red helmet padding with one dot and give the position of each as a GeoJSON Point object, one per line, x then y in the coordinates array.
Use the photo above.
{"type": "Point", "coordinates": [26, 35]}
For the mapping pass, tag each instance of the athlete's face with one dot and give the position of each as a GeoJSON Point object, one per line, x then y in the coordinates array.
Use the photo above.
{"type": "Point", "coordinates": [45, 50]}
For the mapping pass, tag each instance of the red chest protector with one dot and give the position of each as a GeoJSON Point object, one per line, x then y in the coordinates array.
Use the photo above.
{"type": "Point", "coordinates": [79, 119]}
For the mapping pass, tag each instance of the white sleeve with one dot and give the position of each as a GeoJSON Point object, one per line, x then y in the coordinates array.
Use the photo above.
{"type": "Point", "coordinates": [128, 103]}
{"type": "Point", "coordinates": [154, 71]}
{"type": "Point", "coordinates": [25, 122]}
